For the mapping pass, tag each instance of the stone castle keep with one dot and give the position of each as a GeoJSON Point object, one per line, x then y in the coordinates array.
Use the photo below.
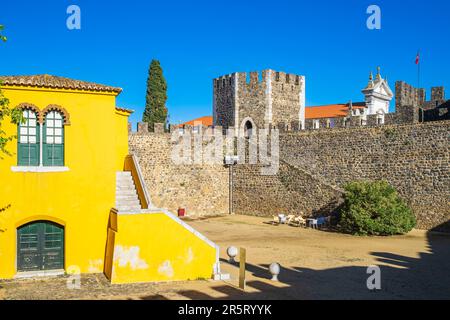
{"type": "Point", "coordinates": [409, 148]}
{"type": "Point", "coordinates": [277, 99]}
{"type": "Point", "coordinates": [248, 101]}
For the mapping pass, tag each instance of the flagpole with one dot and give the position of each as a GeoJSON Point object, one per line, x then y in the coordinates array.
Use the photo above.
{"type": "Point", "coordinates": [418, 70]}
{"type": "Point", "coordinates": [418, 58]}
{"type": "Point", "coordinates": [418, 75]}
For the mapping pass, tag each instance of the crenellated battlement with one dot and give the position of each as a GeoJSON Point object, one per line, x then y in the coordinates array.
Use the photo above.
{"type": "Point", "coordinates": [268, 97]}
{"type": "Point", "coordinates": [142, 129]}
{"type": "Point", "coordinates": [369, 121]}
{"type": "Point", "coordinates": [257, 77]}
{"type": "Point", "coordinates": [224, 82]}
{"type": "Point", "coordinates": [407, 95]}
{"type": "Point", "coordinates": [412, 104]}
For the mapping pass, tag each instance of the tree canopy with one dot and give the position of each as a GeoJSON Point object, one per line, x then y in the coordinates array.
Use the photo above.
{"type": "Point", "coordinates": [5, 110]}
{"type": "Point", "coordinates": [2, 37]}
{"type": "Point", "coordinates": [155, 103]}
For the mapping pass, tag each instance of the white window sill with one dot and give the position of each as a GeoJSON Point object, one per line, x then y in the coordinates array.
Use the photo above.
{"type": "Point", "coordinates": [34, 274]}
{"type": "Point", "coordinates": [39, 169]}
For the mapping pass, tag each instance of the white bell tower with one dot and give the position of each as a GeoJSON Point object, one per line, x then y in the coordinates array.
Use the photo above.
{"type": "Point", "coordinates": [378, 95]}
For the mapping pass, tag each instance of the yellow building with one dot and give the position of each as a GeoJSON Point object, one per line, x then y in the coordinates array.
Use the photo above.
{"type": "Point", "coordinates": [74, 200]}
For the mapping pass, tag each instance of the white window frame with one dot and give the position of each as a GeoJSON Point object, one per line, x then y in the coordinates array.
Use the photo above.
{"type": "Point", "coordinates": [41, 167]}
{"type": "Point", "coordinates": [316, 124]}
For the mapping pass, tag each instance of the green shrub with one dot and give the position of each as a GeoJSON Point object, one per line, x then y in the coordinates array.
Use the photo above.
{"type": "Point", "coordinates": [374, 208]}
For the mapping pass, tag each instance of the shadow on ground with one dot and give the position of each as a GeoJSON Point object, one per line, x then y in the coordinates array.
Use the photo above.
{"type": "Point", "coordinates": [425, 277]}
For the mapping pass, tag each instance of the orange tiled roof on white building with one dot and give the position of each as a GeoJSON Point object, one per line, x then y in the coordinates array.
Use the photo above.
{"type": "Point", "coordinates": [205, 121]}
{"type": "Point", "coordinates": [331, 110]}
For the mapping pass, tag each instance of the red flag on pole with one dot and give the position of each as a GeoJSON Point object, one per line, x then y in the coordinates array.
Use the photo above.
{"type": "Point", "coordinates": [418, 68]}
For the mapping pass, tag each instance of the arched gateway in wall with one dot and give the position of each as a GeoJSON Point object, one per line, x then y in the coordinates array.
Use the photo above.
{"type": "Point", "coordinates": [248, 127]}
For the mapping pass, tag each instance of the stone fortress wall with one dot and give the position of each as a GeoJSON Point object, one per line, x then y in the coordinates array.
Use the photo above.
{"type": "Point", "coordinates": [411, 106]}
{"type": "Point", "coordinates": [266, 97]}
{"type": "Point", "coordinates": [224, 100]}
{"type": "Point", "coordinates": [409, 149]}
{"type": "Point", "coordinates": [200, 189]}
{"type": "Point", "coordinates": [314, 166]}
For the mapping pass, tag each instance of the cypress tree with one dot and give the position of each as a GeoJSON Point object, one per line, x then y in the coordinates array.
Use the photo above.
{"type": "Point", "coordinates": [155, 102]}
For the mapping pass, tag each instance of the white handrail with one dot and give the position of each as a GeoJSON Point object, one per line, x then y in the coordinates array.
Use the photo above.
{"type": "Point", "coordinates": [141, 180]}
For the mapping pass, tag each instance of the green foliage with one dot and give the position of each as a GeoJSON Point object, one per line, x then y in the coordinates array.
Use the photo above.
{"type": "Point", "coordinates": [16, 117]}
{"type": "Point", "coordinates": [14, 114]}
{"type": "Point", "coordinates": [375, 208]}
{"type": "Point", "coordinates": [155, 104]}
{"type": "Point", "coordinates": [2, 37]}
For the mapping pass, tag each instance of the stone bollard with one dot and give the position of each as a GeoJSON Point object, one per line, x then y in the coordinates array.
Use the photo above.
{"type": "Point", "coordinates": [275, 271]}
{"type": "Point", "coordinates": [232, 253]}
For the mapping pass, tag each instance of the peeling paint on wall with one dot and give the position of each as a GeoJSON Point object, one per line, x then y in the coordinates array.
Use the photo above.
{"type": "Point", "coordinates": [190, 256]}
{"type": "Point", "coordinates": [95, 266]}
{"type": "Point", "coordinates": [129, 256]}
{"type": "Point", "coordinates": [187, 257]}
{"type": "Point", "coordinates": [166, 269]}
{"type": "Point", "coordinates": [173, 250]}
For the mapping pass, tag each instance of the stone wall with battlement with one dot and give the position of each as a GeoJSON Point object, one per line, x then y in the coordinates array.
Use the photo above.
{"type": "Point", "coordinates": [315, 164]}
{"type": "Point", "coordinates": [411, 106]}
{"type": "Point", "coordinates": [407, 102]}
{"type": "Point", "coordinates": [267, 97]}
{"type": "Point", "coordinates": [224, 101]}
{"type": "Point", "coordinates": [200, 189]}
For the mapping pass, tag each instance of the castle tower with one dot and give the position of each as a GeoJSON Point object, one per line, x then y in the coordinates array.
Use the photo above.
{"type": "Point", "coordinates": [259, 100]}
{"type": "Point", "coordinates": [407, 102]}
{"type": "Point", "coordinates": [438, 95]}
{"type": "Point", "coordinates": [378, 95]}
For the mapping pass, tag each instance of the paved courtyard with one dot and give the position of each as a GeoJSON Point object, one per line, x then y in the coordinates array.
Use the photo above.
{"type": "Point", "coordinates": [315, 265]}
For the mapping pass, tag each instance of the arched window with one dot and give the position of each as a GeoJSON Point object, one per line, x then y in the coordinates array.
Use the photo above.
{"type": "Point", "coordinates": [40, 246]}
{"type": "Point", "coordinates": [53, 141]}
{"type": "Point", "coordinates": [248, 128]}
{"type": "Point", "coordinates": [28, 140]}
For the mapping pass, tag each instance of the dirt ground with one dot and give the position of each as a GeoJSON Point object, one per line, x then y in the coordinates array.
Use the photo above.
{"type": "Point", "coordinates": [315, 265]}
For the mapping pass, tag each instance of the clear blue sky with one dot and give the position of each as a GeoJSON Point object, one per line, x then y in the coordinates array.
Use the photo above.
{"type": "Point", "coordinates": [196, 41]}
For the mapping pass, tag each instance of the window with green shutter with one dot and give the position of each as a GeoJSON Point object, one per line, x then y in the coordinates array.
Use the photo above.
{"type": "Point", "coordinates": [53, 140]}
{"type": "Point", "coordinates": [28, 140]}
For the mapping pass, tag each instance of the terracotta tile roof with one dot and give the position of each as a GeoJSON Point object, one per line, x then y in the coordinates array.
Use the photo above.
{"type": "Point", "coordinates": [331, 111]}
{"type": "Point", "coordinates": [206, 121]}
{"type": "Point", "coordinates": [54, 82]}
{"type": "Point", "coordinates": [124, 109]}
{"type": "Point", "coordinates": [327, 111]}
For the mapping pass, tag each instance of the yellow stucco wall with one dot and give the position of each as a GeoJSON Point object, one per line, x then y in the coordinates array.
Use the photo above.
{"type": "Point", "coordinates": [158, 247]}
{"type": "Point", "coordinates": [96, 143]}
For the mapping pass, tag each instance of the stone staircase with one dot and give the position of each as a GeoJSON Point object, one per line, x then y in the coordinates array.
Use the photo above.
{"type": "Point", "coordinates": [126, 196]}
